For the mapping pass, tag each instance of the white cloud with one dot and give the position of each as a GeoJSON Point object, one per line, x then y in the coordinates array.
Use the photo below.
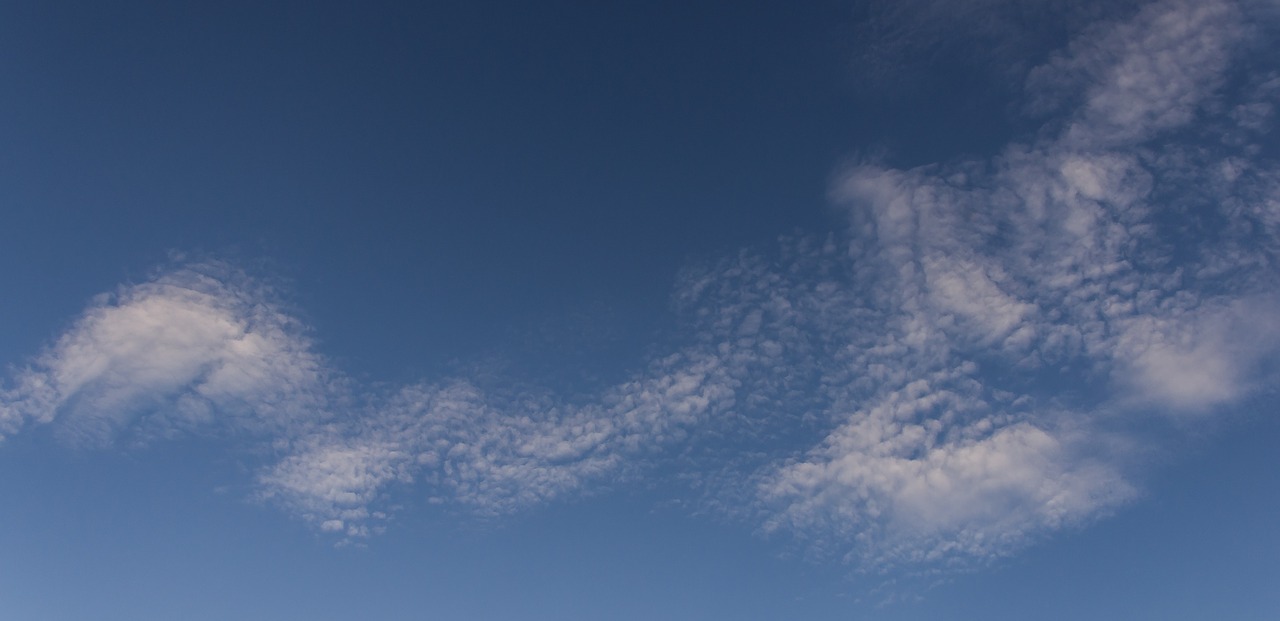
{"type": "Point", "coordinates": [1146, 75]}
{"type": "Point", "coordinates": [905, 481]}
{"type": "Point", "coordinates": [496, 455]}
{"type": "Point", "coordinates": [173, 351]}
{"type": "Point", "coordinates": [1209, 356]}
{"type": "Point", "coordinates": [202, 348]}
{"type": "Point", "coordinates": [999, 312]}
{"type": "Point", "coordinates": [333, 481]}
{"type": "Point", "coordinates": [929, 387]}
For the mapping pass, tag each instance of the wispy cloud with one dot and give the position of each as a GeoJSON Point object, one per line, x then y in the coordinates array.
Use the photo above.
{"type": "Point", "coordinates": [939, 384]}
{"type": "Point", "coordinates": [204, 349]}
{"type": "Point", "coordinates": [490, 454]}
{"type": "Point", "coordinates": [1019, 299]}
{"type": "Point", "coordinates": [194, 344]}
{"type": "Point", "coordinates": [934, 473]}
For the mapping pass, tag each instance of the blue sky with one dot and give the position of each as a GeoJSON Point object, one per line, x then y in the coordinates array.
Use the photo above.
{"type": "Point", "coordinates": [488, 310]}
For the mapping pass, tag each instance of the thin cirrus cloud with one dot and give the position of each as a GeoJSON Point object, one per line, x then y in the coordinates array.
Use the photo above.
{"type": "Point", "coordinates": [940, 384]}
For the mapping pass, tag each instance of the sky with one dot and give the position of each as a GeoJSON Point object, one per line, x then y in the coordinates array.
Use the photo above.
{"type": "Point", "coordinates": [640, 310]}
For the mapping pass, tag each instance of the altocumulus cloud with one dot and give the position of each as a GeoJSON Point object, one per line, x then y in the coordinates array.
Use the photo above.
{"type": "Point", "coordinates": [942, 383]}
{"type": "Point", "coordinates": [1129, 248]}
{"type": "Point", "coordinates": [204, 349]}
{"type": "Point", "coordinates": [194, 346]}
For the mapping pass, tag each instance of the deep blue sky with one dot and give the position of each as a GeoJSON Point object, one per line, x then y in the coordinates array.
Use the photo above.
{"type": "Point", "coordinates": [383, 154]}
{"type": "Point", "coordinates": [642, 310]}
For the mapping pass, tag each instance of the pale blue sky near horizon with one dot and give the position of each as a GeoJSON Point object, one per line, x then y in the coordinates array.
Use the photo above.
{"type": "Point", "coordinates": [663, 310]}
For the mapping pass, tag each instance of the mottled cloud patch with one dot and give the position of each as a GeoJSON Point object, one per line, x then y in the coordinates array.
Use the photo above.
{"type": "Point", "coordinates": [940, 384]}
{"type": "Point", "coordinates": [938, 473]}
{"type": "Point", "coordinates": [1026, 301]}
{"type": "Point", "coordinates": [204, 349]}
{"type": "Point", "coordinates": [172, 354]}
{"type": "Point", "coordinates": [492, 455]}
